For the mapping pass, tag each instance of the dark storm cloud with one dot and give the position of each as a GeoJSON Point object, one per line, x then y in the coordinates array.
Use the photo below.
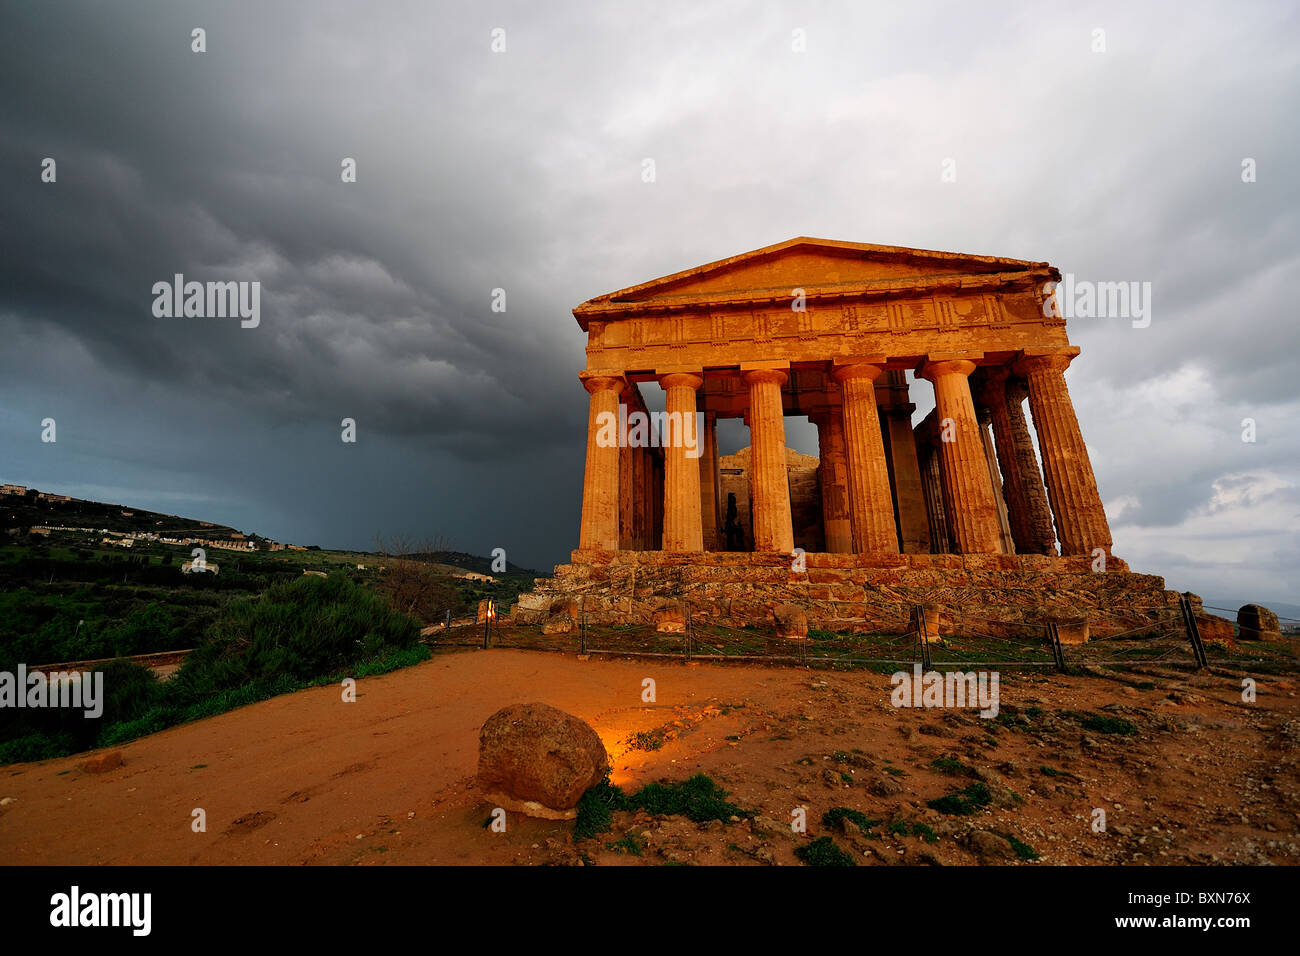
{"type": "Point", "coordinates": [521, 171]}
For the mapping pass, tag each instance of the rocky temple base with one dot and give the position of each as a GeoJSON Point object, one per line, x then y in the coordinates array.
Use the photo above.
{"type": "Point", "coordinates": [850, 592]}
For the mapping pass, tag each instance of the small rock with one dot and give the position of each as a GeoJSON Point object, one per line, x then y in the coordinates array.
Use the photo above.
{"type": "Point", "coordinates": [104, 762]}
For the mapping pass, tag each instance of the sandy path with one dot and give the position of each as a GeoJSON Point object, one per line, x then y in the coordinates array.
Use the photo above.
{"type": "Point", "coordinates": [297, 778]}
{"type": "Point", "coordinates": [307, 778]}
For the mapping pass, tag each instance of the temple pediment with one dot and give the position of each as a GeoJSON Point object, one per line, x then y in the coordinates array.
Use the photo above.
{"type": "Point", "coordinates": [816, 265]}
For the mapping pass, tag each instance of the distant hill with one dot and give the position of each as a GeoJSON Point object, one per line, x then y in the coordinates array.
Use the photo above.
{"type": "Point", "coordinates": [35, 508]}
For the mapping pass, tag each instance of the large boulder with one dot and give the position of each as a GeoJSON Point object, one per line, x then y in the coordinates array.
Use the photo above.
{"type": "Point", "coordinates": [538, 760]}
{"type": "Point", "coordinates": [1258, 623]}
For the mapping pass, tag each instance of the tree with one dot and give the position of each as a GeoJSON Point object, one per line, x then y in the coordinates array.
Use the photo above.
{"type": "Point", "coordinates": [412, 578]}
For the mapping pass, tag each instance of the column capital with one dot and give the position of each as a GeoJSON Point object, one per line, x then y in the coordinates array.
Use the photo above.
{"type": "Point", "coordinates": [759, 375]}
{"type": "Point", "coordinates": [1050, 358]}
{"type": "Point", "coordinates": [869, 367]}
{"type": "Point", "coordinates": [600, 380]}
{"type": "Point", "coordinates": [692, 380]}
{"type": "Point", "coordinates": [947, 363]}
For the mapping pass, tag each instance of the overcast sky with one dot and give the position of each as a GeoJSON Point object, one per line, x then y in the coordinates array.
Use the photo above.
{"type": "Point", "coordinates": [522, 170]}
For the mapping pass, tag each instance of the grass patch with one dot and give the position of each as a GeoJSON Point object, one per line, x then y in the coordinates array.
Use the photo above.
{"type": "Point", "coordinates": [952, 767]}
{"type": "Point", "coordinates": [648, 739]}
{"type": "Point", "coordinates": [630, 844]}
{"type": "Point", "coordinates": [963, 803]}
{"type": "Point", "coordinates": [1105, 724]}
{"type": "Point", "coordinates": [698, 799]}
{"type": "Point", "coordinates": [925, 832]}
{"type": "Point", "coordinates": [823, 851]}
{"type": "Point", "coordinates": [834, 815]}
{"type": "Point", "coordinates": [1023, 850]}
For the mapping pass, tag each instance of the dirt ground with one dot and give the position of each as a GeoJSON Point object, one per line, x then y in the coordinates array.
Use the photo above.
{"type": "Point", "coordinates": [307, 778]}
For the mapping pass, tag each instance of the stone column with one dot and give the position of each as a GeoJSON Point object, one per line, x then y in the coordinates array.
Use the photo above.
{"type": "Point", "coordinates": [1022, 482]}
{"type": "Point", "coordinates": [935, 510]}
{"type": "Point", "coordinates": [626, 499]}
{"type": "Point", "coordinates": [769, 478]}
{"type": "Point", "coordinates": [1040, 512]}
{"type": "Point", "coordinates": [1081, 522]}
{"type": "Point", "coordinates": [683, 530]}
{"type": "Point", "coordinates": [913, 528]}
{"type": "Point", "coordinates": [709, 484]}
{"type": "Point", "coordinates": [972, 511]}
{"type": "Point", "coordinates": [599, 530]}
{"type": "Point", "coordinates": [1005, 543]}
{"type": "Point", "coordinates": [836, 524]}
{"type": "Point", "coordinates": [870, 505]}
{"type": "Point", "coordinates": [657, 502]}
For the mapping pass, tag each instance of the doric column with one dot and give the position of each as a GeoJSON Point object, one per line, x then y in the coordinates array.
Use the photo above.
{"type": "Point", "coordinates": [973, 512]}
{"type": "Point", "coordinates": [1022, 482]}
{"type": "Point", "coordinates": [913, 528]}
{"type": "Point", "coordinates": [1081, 522]}
{"type": "Point", "coordinates": [600, 512]}
{"type": "Point", "coordinates": [1005, 543]}
{"type": "Point", "coordinates": [935, 509]}
{"type": "Point", "coordinates": [769, 477]}
{"type": "Point", "coordinates": [657, 502]}
{"type": "Point", "coordinates": [683, 530]}
{"type": "Point", "coordinates": [626, 498]}
{"type": "Point", "coordinates": [834, 480]}
{"type": "Point", "coordinates": [709, 484]}
{"type": "Point", "coordinates": [871, 507]}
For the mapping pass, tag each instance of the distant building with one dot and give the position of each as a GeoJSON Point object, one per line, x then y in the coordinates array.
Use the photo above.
{"type": "Point", "coordinates": [475, 576]}
{"type": "Point", "coordinates": [13, 490]}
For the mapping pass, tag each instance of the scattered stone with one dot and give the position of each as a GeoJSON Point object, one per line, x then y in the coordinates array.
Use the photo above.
{"type": "Point", "coordinates": [885, 786]}
{"type": "Point", "coordinates": [791, 622]}
{"type": "Point", "coordinates": [104, 762]}
{"type": "Point", "coordinates": [669, 617]}
{"type": "Point", "coordinates": [989, 846]}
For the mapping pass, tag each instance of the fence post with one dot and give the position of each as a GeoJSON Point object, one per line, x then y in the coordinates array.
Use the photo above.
{"type": "Point", "coordinates": [1193, 631]}
{"type": "Point", "coordinates": [922, 635]}
{"type": "Point", "coordinates": [688, 632]}
{"type": "Point", "coordinates": [582, 624]}
{"type": "Point", "coordinates": [1058, 652]}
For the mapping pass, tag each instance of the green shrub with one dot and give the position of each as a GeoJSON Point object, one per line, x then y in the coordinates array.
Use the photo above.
{"type": "Point", "coordinates": [1105, 724]}
{"type": "Point", "coordinates": [833, 816]}
{"type": "Point", "coordinates": [963, 803]}
{"type": "Point", "coordinates": [823, 851]}
{"type": "Point", "coordinates": [698, 799]}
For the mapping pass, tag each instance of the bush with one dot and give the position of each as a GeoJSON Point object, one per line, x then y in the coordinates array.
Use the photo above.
{"type": "Point", "coordinates": [963, 803]}
{"type": "Point", "coordinates": [823, 851]}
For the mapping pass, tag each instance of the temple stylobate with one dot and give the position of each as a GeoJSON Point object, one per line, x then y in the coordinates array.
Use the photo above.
{"type": "Point", "coordinates": [827, 330]}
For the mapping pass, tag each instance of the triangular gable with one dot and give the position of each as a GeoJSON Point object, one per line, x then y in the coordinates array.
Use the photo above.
{"type": "Point", "coordinates": [808, 263]}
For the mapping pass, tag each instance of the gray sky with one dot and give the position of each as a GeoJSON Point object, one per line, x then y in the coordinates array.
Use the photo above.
{"type": "Point", "coordinates": [521, 170]}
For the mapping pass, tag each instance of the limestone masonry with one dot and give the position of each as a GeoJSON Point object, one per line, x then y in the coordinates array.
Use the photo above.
{"type": "Point", "coordinates": [954, 511]}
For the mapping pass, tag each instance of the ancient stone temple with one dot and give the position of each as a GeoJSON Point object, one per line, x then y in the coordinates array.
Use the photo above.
{"type": "Point", "coordinates": [953, 509]}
